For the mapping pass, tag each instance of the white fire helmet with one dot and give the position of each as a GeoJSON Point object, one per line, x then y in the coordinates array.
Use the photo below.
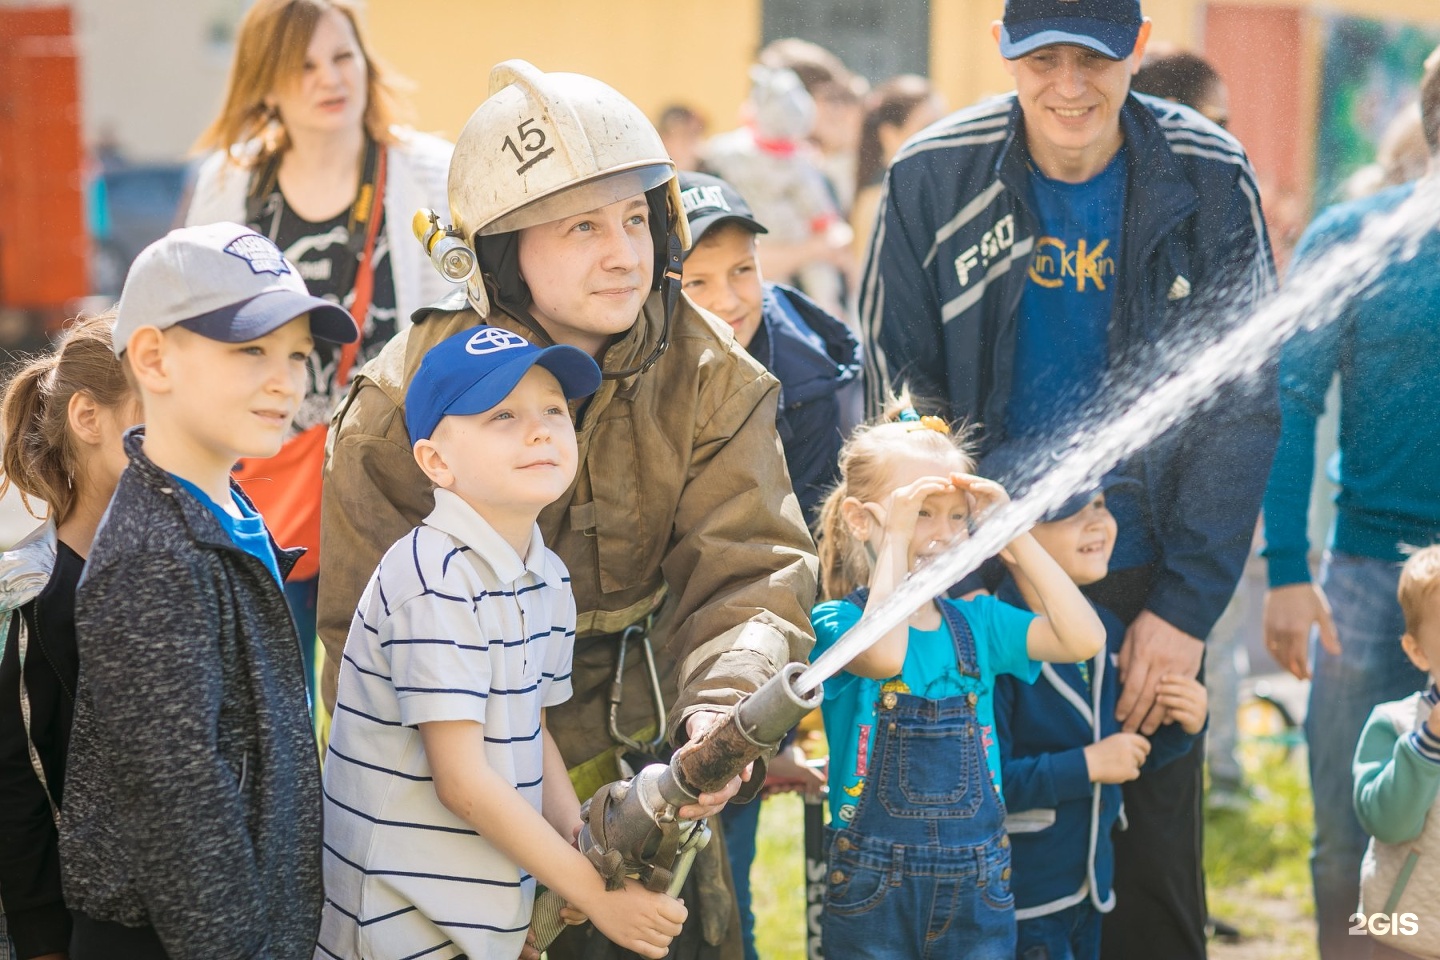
{"type": "Point", "coordinates": [544, 146]}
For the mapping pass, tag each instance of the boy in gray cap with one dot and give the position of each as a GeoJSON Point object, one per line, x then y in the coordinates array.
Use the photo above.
{"type": "Point", "coordinates": [192, 808]}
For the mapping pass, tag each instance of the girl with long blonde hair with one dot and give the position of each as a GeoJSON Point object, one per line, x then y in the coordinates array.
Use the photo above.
{"type": "Point", "coordinates": [919, 858]}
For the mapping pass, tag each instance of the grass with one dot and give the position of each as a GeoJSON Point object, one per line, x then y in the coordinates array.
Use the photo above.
{"type": "Point", "coordinates": [1255, 861]}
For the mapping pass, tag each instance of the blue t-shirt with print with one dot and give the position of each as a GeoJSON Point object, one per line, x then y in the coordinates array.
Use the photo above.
{"type": "Point", "coordinates": [1062, 347]}
{"type": "Point", "coordinates": [247, 531]}
{"type": "Point", "coordinates": [1062, 344]}
{"type": "Point", "coordinates": [929, 671]}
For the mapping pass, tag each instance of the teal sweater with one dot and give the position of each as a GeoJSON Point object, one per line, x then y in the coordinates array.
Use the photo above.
{"type": "Point", "coordinates": [1385, 347]}
{"type": "Point", "coordinates": [1396, 777]}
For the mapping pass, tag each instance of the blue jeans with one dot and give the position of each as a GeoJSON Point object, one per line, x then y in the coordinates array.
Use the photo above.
{"type": "Point", "coordinates": [1069, 934]}
{"type": "Point", "coordinates": [887, 901]}
{"type": "Point", "coordinates": [741, 821]}
{"type": "Point", "coordinates": [1371, 669]}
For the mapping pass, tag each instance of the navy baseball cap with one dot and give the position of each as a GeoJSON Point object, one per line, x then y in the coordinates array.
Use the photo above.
{"type": "Point", "coordinates": [708, 201]}
{"type": "Point", "coordinates": [1109, 27]}
{"type": "Point", "coordinates": [476, 369]}
{"type": "Point", "coordinates": [1079, 501]}
{"type": "Point", "coordinates": [225, 282]}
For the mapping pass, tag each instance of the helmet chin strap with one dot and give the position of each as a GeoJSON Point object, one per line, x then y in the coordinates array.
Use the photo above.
{"type": "Point", "coordinates": [670, 282]}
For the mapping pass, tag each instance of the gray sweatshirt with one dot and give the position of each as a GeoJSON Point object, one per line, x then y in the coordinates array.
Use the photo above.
{"type": "Point", "coordinates": [192, 799]}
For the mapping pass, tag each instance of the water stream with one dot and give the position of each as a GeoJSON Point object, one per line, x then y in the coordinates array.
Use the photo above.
{"type": "Point", "coordinates": [1182, 377]}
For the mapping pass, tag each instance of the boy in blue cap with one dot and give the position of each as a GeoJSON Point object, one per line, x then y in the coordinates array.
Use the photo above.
{"type": "Point", "coordinates": [446, 797]}
{"type": "Point", "coordinates": [1064, 756]}
{"type": "Point", "coordinates": [192, 794]}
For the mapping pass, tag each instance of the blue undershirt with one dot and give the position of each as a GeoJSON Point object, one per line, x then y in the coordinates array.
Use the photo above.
{"type": "Point", "coordinates": [1062, 345]}
{"type": "Point", "coordinates": [247, 531]}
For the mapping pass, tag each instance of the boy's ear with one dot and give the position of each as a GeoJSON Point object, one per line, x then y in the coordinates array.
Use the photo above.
{"type": "Point", "coordinates": [147, 353]}
{"type": "Point", "coordinates": [1415, 652]}
{"type": "Point", "coordinates": [432, 463]}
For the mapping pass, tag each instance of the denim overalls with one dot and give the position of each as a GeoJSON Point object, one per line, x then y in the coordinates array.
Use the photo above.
{"type": "Point", "coordinates": [923, 870]}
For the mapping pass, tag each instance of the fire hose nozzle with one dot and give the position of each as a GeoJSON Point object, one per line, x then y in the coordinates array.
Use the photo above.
{"type": "Point", "coordinates": [758, 723]}
{"type": "Point", "coordinates": [444, 245]}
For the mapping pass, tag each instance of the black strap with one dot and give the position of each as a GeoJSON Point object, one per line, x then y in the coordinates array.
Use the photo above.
{"type": "Point", "coordinates": [265, 202]}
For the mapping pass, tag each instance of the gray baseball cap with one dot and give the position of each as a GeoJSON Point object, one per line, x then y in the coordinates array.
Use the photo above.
{"type": "Point", "coordinates": [225, 282]}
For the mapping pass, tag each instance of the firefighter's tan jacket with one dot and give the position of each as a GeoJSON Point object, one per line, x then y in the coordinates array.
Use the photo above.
{"type": "Point", "coordinates": [681, 506]}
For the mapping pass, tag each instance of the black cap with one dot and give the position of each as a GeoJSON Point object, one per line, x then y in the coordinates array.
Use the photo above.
{"type": "Point", "coordinates": [709, 200]}
{"type": "Point", "coordinates": [1109, 27]}
{"type": "Point", "coordinates": [1017, 468]}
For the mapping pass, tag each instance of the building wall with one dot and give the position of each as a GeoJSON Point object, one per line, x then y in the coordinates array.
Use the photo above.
{"type": "Point", "coordinates": [152, 72]}
{"type": "Point", "coordinates": [656, 52]}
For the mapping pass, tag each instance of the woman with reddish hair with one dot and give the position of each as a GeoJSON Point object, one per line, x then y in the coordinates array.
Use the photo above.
{"type": "Point", "coordinates": [304, 144]}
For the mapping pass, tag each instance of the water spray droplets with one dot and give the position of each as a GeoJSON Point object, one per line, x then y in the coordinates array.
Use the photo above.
{"type": "Point", "coordinates": [1179, 379]}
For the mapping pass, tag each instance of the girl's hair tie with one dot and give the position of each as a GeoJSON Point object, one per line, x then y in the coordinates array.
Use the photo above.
{"type": "Point", "coordinates": [916, 422]}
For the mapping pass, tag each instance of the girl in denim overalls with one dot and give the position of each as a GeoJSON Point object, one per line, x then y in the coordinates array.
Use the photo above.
{"type": "Point", "coordinates": [919, 863]}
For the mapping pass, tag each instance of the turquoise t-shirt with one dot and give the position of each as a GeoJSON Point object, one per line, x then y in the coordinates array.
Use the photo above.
{"type": "Point", "coordinates": [247, 531]}
{"type": "Point", "coordinates": [930, 671]}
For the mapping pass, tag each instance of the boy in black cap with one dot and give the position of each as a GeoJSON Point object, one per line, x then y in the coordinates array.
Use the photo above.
{"type": "Point", "coordinates": [817, 361]}
{"type": "Point", "coordinates": [445, 795]}
{"type": "Point", "coordinates": [1063, 755]}
{"type": "Point", "coordinates": [192, 794]}
{"type": "Point", "coordinates": [814, 356]}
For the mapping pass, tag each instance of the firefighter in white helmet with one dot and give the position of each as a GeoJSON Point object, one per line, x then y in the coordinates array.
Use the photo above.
{"type": "Point", "coordinates": [681, 532]}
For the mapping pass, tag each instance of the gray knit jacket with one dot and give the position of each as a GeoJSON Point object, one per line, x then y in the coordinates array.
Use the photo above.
{"type": "Point", "coordinates": [192, 794]}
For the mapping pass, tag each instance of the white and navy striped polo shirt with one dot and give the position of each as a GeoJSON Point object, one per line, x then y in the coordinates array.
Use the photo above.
{"type": "Point", "coordinates": [454, 625]}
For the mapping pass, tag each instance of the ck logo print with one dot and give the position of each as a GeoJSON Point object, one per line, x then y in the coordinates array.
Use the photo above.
{"type": "Point", "coordinates": [1087, 267]}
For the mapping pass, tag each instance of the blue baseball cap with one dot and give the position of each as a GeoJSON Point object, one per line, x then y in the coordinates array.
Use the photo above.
{"type": "Point", "coordinates": [1018, 468]}
{"type": "Point", "coordinates": [476, 369]}
{"type": "Point", "coordinates": [1109, 27]}
{"type": "Point", "coordinates": [1079, 501]}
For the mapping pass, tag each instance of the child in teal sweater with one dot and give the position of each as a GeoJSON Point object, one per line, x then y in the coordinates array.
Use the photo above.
{"type": "Point", "coordinates": [1397, 780]}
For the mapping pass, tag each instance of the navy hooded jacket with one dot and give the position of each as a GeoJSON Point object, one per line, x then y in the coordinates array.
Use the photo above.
{"type": "Point", "coordinates": [939, 304]}
{"type": "Point", "coordinates": [817, 361]}
{"type": "Point", "coordinates": [1059, 822]}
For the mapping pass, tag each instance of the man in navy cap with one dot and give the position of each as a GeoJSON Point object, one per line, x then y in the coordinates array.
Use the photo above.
{"type": "Point", "coordinates": [1037, 246]}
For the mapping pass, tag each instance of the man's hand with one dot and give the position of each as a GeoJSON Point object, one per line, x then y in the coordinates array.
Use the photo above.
{"type": "Point", "coordinates": [709, 804]}
{"type": "Point", "coordinates": [1117, 758]}
{"type": "Point", "coordinates": [1152, 648]}
{"type": "Point", "coordinates": [1290, 612]}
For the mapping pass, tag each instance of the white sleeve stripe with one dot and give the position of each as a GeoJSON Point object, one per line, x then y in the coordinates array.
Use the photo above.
{"type": "Point", "coordinates": [1200, 138]}
{"type": "Point", "coordinates": [924, 146]}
